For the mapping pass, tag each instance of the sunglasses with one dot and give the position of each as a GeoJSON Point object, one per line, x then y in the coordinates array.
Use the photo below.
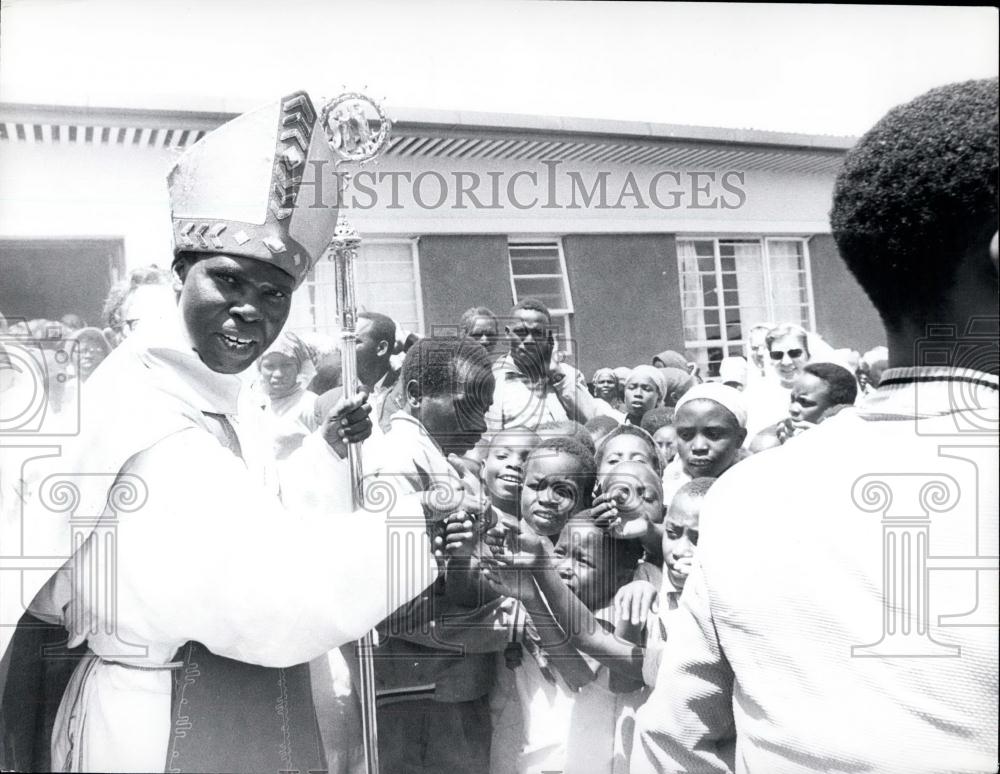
{"type": "Point", "coordinates": [792, 353]}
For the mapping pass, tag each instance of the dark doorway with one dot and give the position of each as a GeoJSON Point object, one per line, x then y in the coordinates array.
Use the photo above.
{"type": "Point", "coordinates": [49, 278]}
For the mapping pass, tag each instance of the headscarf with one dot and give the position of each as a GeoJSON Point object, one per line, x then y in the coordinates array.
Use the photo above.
{"type": "Point", "coordinates": [600, 371]}
{"type": "Point", "coordinates": [653, 374]}
{"type": "Point", "coordinates": [291, 346]}
{"type": "Point", "coordinates": [730, 399]}
{"type": "Point", "coordinates": [678, 381]}
{"type": "Point", "coordinates": [733, 369]}
{"type": "Point", "coordinates": [670, 358]}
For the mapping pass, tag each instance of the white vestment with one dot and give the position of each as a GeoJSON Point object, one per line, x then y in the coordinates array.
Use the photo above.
{"type": "Point", "coordinates": [206, 552]}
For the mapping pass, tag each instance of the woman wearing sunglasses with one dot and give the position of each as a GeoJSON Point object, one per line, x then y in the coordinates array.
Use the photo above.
{"type": "Point", "coordinates": [788, 350]}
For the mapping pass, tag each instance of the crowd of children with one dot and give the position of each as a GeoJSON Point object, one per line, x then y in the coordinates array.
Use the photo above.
{"type": "Point", "coordinates": [543, 636]}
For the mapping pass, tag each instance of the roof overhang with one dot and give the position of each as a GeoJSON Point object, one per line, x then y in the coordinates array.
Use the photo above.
{"type": "Point", "coordinates": [456, 135]}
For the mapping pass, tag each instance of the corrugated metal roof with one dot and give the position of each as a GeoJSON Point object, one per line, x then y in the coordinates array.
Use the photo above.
{"type": "Point", "coordinates": [447, 135]}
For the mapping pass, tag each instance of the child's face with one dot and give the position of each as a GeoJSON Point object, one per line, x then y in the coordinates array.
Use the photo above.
{"type": "Point", "coordinates": [810, 398]}
{"type": "Point", "coordinates": [708, 437]}
{"type": "Point", "coordinates": [641, 395]}
{"type": "Point", "coordinates": [666, 443]}
{"type": "Point", "coordinates": [551, 491]}
{"type": "Point", "coordinates": [680, 536]}
{"type": "Point", "coordinates": [639, 494]}
{"type": "Point", "coordinates": [624, 447]}
{"type": "Point", "coordinates": [278, 373]}
{"type": "Point", "coordinates": [584, 562]}
{"type": "Point", "coordinates": [503, 470]}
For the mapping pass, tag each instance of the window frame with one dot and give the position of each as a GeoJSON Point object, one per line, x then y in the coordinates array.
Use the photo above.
{"type": "Point", "coordinates": [313, 289]}
{"type": "Point", "coordinates": [763, 241]}
{"type": "Point", "coordinates": [565, 314]}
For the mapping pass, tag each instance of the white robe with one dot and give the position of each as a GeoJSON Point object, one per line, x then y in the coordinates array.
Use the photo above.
{"type": "Point", "coordinates": [206, 552]}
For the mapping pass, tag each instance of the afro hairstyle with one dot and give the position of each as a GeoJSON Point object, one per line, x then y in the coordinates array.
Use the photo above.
{"type": "Point", "coordinates": [916, 195]}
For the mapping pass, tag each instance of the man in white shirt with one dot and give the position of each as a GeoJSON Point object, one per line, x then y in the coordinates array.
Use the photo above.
{"type": "Point", "coordinates": [524, 396]}
{"type": "Point", "coordinates": [813, 637]}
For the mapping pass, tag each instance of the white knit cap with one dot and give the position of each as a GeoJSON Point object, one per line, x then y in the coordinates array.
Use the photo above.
{"type": "Point", "coordinates": [727, 397]}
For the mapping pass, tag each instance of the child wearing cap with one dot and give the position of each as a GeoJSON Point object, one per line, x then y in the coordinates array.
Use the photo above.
{"type": "Point", "coordinates": [711, 423]}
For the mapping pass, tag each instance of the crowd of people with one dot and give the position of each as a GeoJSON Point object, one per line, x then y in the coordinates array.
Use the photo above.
{"type": "Point", "coordinates": [632, 571]}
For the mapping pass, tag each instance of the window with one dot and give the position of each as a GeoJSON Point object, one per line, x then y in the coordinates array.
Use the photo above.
{"type": "Point", "coordinates": [730, 285]}
{"type": "Point", "coordinates": [387, 280]}
{"type": "Point", "coordinates": [538, 270]}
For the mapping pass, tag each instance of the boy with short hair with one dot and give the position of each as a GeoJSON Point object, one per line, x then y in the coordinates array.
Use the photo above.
{"type": "Point", "coordinates": [433, 679]}
{"type": "Point", "coordinates": [558, 483]}
{"type": "Point", "coordinates": [658, 590]}
{"type": "Point", "coordinates": [569, 596]}
{"type": "Point", "coordinates": [820, 391]}
{"type": "Point", "coordinates": [503, 470]}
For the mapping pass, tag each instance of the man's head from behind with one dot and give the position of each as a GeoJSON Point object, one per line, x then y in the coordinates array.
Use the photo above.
{"type": "Point", "coordinates": [915, 208]}
{"type": "Point", "coordinates": [449, 388]}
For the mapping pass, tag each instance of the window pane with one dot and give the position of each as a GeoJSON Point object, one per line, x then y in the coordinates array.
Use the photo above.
{"type": "Point", "coordinates": [785, 254]}
{"type": "Point", "coordinates": [703, 247]}
{"type": "Point", "coordinates": [548, 290]}
{"type": "Point", "coordinates": [706, 264]}
{"type": "Point", "coordinates": [527, 261]}
{"type": "Point", "coordinates": [535, 265]}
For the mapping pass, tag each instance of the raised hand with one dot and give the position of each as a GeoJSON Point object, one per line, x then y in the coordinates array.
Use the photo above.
{"type": "Point", "coordinates": [464, 492]}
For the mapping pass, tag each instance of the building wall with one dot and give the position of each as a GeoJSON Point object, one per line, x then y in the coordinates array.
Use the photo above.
{"type": "Point", "coordinates": [58, 190]}
{"type": "Point", "coordinates": [459, 271]}
{"type": "Point", "coordinates": [626, 298]}
{"type": "Point", "coordinates": [844, 315]}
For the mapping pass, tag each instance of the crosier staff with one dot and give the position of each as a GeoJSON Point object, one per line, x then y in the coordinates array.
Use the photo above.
{"type": "Point", "coordinates": [351, 138]}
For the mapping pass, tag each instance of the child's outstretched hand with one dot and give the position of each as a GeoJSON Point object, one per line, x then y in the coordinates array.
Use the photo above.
{"type": "Point", "coordinates": [635, 601]}
{"type": "Point", "coordinates": [605, 511]}
{"type": "Point", "coordinates": [448, 496]}
{"type": "Point", "coordinates": [514, 555]}
{"type": "Point", "coordinates": [459, 537]}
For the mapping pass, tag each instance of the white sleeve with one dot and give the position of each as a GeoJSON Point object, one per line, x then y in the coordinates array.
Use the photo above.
{"type": "Point", "coordinates": [687, 722]}
{"type": "Point", "coordinates": [213, 556]}
{"type": "Point", "coordinates": [577, 400]}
